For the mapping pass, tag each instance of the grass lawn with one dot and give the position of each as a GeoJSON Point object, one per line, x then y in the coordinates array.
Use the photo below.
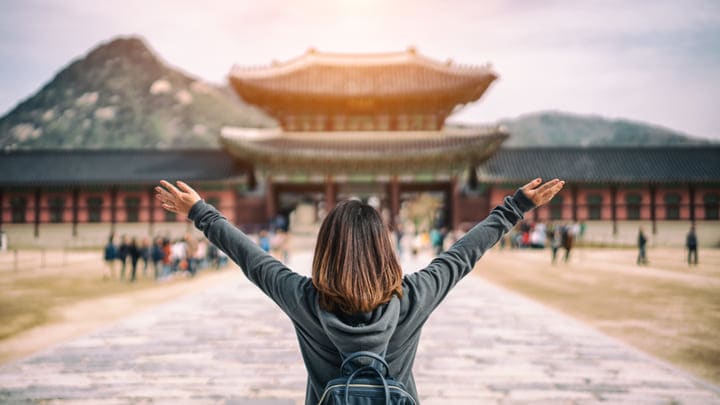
{"type": "Point", "coordinates": [48, 300]}
{"type": "Point", "coordinates": [666, 308]}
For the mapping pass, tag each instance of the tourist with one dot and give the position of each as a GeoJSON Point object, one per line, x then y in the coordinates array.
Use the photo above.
{"type": "Point", "coordinates": [178, 256]}
{"type": "Point", "coordinates": [555, 241]}
{"type": "Point", "coordinates": [157, 255]}
{"type": "Point", "coordinates": [642, 242]}
{"type": "Point", "coordinates": [264, 241]}
{"type": "Point", "coordinates": [357, 297]}
{"type": "Point", "coordinates": [691, 243]}
{"type": "Point", "coordinates": [567, 240]}
{"type": "Point", "coordinates": [134, 252]}
{"type": "Point", "coordinates": [110, 255]}
{"type": "Point", "coordinates": [123, 252]}
{"type": "Point", "coordinates": [191, 247]}
{"type": "Point", "coordinates": [145, 255]}
{"type": "Point", "coordinates": [167, 258]}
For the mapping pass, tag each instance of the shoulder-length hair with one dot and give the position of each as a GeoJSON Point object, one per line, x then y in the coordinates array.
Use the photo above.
{"type": "Point", "coordinates": [355, 268]}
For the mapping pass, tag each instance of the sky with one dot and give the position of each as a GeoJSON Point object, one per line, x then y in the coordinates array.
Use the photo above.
{"type": "Point", "coordinates": [652, 61]}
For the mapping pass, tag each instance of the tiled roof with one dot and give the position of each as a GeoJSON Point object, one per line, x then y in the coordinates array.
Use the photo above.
{"type": "Point", "coordinates": [97, 167]}
{"type": "Point", "coordinates": [370, 75]}
{"type": "Point", "coordinates": [670, 164]}
{"type": "Point", "coordinates": [366, 151]}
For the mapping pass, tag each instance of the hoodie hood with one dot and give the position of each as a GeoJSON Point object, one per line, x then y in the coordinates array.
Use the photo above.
{"type": "Point", "coordinates": [370, 331]}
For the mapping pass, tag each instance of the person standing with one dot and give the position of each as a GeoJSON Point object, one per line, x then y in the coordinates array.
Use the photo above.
{"type": "Point", "coordinates": [157, 255]}
{"type": "Point", "coordinates": [691, 243]}
{"type": "Point", "coordinates": [123, 252]}
{"type": "Point", "coordinates": [555, 241]}
{"type": "Point", "coordinates": [642, 242]}
{"type": "Point", "coordinates": [110, 255]}
{"type": "Point", "coordinates": [134, 252]}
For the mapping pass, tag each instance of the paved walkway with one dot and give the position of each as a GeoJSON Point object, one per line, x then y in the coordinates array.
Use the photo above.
{"type": "Point", "coordinates": [230, 345]}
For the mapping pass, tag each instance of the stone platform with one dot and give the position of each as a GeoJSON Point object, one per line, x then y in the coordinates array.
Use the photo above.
{"type": "Point", "coordinates": [230, 345]}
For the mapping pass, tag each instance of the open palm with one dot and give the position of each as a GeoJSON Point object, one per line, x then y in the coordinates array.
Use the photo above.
{"type": "Point", "coordinates": [176, 199]}
{"type": "Point", "coordinates": [540, 193]}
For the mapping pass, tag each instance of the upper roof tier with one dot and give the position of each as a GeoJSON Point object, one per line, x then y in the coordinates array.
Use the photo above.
{"type": "Point", "coordinates": [328, 85]}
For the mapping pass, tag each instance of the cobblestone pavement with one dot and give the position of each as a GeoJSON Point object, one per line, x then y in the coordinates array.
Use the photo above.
{"type": "Point", "coordinates": [230, 345]}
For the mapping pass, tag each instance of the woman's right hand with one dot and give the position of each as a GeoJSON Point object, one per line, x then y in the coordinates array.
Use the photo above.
{"type": "Point", "coordinates": [542, 194]}
{"type": "Point", "coordinates": [176, 199]}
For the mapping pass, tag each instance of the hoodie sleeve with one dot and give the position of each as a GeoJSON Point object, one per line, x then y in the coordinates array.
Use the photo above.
{"type": "Point", "coordinates": [278, 282]}
{"type": "Point", "coordinates": [429, 286]}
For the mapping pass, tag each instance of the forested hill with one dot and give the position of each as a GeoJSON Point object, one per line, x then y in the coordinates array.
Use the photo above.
{"type": "Point", "coordinates": [121, 95]}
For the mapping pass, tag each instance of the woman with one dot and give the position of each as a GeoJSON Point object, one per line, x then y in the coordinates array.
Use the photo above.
{"type": "Point", "coordinates": [357, 298]}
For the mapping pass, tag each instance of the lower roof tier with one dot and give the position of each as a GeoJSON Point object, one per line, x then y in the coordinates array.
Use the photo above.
{"type": "Point", "coordinates": [449, 150]}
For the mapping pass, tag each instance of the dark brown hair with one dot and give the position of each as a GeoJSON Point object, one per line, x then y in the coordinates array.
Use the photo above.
{"type": "Point", "coordinates": [355, 268]}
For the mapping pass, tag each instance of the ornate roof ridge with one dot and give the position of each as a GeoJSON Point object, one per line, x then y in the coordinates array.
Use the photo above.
{"type": "Point", "coordinates": [337, 59]}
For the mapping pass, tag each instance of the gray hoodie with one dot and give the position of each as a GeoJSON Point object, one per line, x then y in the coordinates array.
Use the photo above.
{"type": "Point", "coordinates": [393, 328]}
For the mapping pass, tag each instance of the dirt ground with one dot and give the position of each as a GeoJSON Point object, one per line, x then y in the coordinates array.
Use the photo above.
{"type": "Point", "coordinates": [665, 308]}
{"type": "Point", "coordinates": [52, 296]}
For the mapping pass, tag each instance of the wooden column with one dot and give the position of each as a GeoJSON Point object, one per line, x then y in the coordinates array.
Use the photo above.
{"type": "Point", "coordinates": [113, 208]}
{"type": "Point", "coordinates": [151, 210]}
{"type": "Point", "coordinates": [2, 207]}
{"type": "Point", "coordinates": [330, 191]}
{"type": "Point", "coordinates": [574, 194]}
{"type": "Point", "coordinates": [271, 199]}
{"type": "Point", "coordinates": [472, 182]}
{"type": "Point", "coordinates": [653, 208]}
{"type": "Point", "coordinates": [37, 212]}
{"type": "Point", "coordinates": [453, 217]}
{"type": "Point", "coordinates": [613, 207]}
{"type": "Point", "coordinates": [75, 208]}
{"type": "Point", "coordinates": [691, 193]}
{"type": "Point", "coordinates": [251, 180]}
{"type": "Point", "coordinates": [394, 199]}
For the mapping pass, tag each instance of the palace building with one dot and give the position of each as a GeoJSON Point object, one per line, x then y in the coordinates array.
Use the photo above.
{"type": "Point", "coordinates": [359, 126]}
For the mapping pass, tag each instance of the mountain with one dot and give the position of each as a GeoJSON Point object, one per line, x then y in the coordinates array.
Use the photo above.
{"type": "Point", "coordinates": [121, 95]}
{"type": "Point", "coordinates": [552, 128]}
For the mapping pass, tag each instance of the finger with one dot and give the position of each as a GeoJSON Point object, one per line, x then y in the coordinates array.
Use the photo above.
{"type": "Point", "coordinates": [169, 207]}
{"type": "Point", "coordinates": [184, 187]}
{"type": "Point", "coordinates": [547, 186]}
{"type": "Point", "coordinates": [532, 184]}
{"type": "Point", "coordinates": [164, 198]}
{"type": "Point", "coordinates": [549, 194]}
{"type": "Point", "coordinates": [170, 188]}
{"type": "Point", "coordinates": [162, 193]}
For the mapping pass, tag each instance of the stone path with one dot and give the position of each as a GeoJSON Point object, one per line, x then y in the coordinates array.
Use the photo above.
{"type": "Point", "coordinates": [230, 345]}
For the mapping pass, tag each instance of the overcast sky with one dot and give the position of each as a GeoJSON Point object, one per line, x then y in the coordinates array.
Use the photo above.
{"type": "Point", "coordinates": [654, 61]}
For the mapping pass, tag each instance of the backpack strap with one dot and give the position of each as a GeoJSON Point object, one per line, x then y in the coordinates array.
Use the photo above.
{"type": "Point", "coordinates": [347, 369]}
{"type": "Point", "coordinates": [366, 369]}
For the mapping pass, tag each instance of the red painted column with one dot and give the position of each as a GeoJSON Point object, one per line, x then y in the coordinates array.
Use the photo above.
{"type": "Point", "coordinates": [37, 212]}
{"type": "Point", "coordinates": [394, 199]}
{"type": "Point", "coordinates": [613, 207]}
{"type": "Point", "coordinates": [574, 194]}
{"type": "Point", "coordinates": [653, 208]}
{"type": "Point", "coordinates": [2, 207]}
{"type": "Point", "coordinates": [151, 210]}
{"type": "Point", "coordinates": [330, 197]}
{"type": "Point", "coordinates": [271, 199]}
{"type": "Point", "coordinates": [691, 193]}
{"type": "Point", "coordinates": [454, 204]}
{"type": "Point", "coordinates": [75, 201]}
{"type": "Point", "coordinates": [113, 208]}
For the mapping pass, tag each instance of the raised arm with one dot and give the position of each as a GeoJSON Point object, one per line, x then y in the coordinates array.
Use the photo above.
{"type": "Point", "coordinates": [270, 275]}
{"type": "Point", "coordinates": [433, 283]}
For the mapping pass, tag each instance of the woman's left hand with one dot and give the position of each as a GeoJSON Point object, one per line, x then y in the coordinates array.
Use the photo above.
{"type": "Point", "coordinates": [542, 194]}
{"type": "Point", "coordinates": [176, 199]}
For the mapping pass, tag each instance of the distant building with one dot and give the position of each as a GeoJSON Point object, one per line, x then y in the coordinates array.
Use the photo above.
{"type": "Point", "coordinates": [360, 125]}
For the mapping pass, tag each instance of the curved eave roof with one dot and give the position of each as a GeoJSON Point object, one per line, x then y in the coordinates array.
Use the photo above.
{"type": "Point", "coordinates": [374, 75]}
{"type": "Point", "coordinates": [602, 165]}
{"type": "Point", "coordinates": [349, 152]}
{"type": "Point", "coordinates": [115, 167]}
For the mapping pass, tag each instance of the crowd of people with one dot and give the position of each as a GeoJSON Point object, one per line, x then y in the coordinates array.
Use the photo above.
{"type": "Point", "coordinates": [539, 235]}
{"type": "Point", "coordinates": [165, 256]}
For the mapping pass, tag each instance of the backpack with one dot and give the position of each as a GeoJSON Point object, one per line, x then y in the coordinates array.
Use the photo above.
{"type": "Point", "coordinates": [365, 382]}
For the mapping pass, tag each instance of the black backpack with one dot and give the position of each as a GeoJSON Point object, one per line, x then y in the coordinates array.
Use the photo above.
{"type": "Point", "coordinates": [365, 380]}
